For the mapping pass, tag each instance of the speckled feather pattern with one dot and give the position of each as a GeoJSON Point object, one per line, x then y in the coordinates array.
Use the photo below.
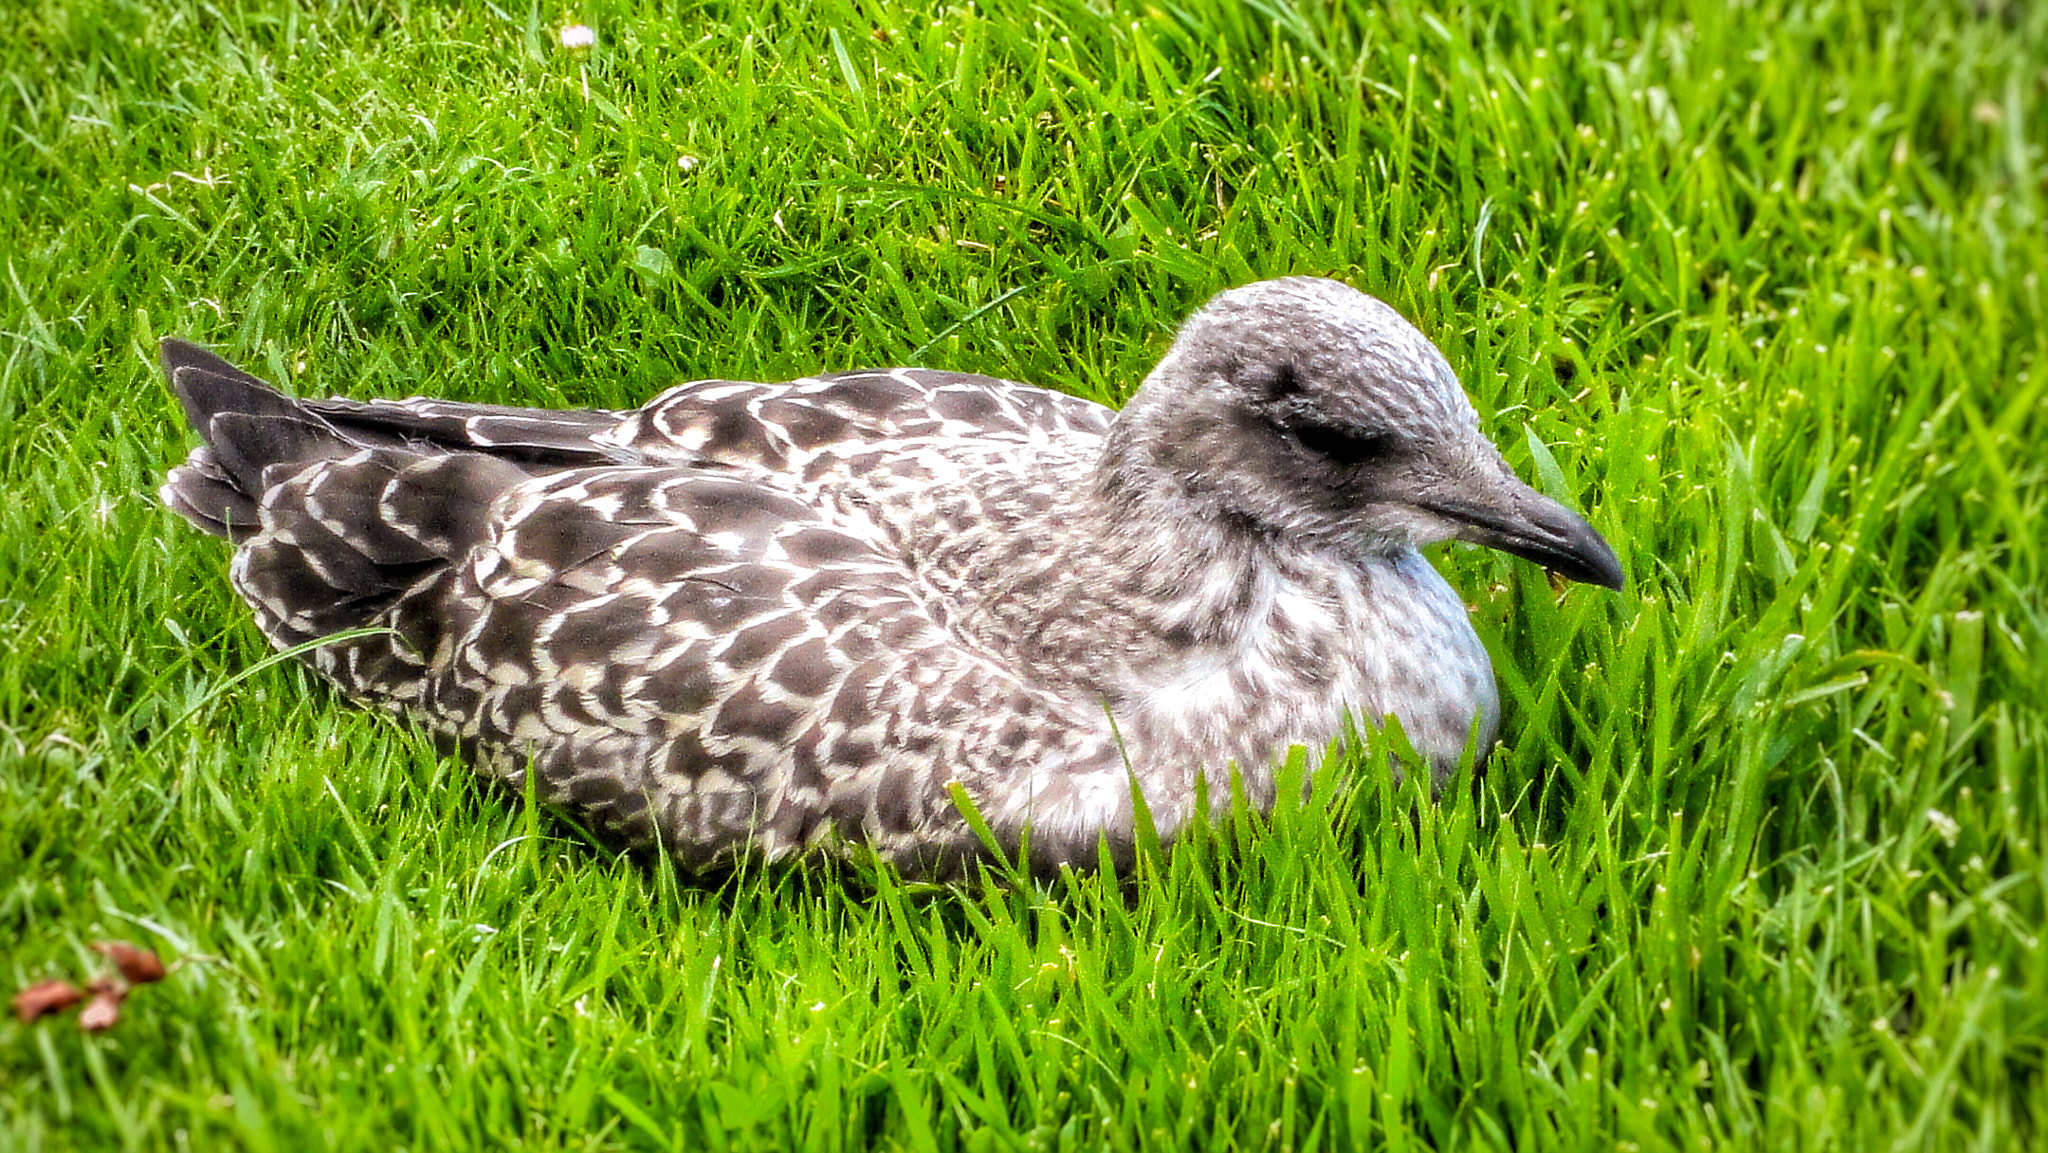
{"type": "Point", "coordinates": [760, 618]}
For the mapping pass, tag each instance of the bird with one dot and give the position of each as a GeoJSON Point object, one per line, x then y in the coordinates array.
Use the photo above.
{"type": "Point", "coordinates": [943, 616]}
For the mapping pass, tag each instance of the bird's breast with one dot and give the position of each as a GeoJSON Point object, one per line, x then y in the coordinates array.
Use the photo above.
{"type": "Point", "coordinates": [1422, 661]}
{"type": "Point", "coordinates": [1322, 643]}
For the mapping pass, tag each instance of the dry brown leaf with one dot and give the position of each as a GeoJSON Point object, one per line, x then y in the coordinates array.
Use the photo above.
{"type": "Point", "coordinates": [46, 997]}
{"type": "Point", "coordinates": [103, 1012]}
{"type": "Point", "coordinates": [139, 965]}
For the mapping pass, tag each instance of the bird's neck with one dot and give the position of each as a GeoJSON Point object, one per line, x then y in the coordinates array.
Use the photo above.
{"type": "Point", "coordinates": [1242, 642]}
{"type": "Point", "coordinates": [1193, 570]}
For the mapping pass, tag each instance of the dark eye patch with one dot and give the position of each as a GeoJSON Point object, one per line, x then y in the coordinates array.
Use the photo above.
{"type": "Point", "coordinates": [1347, 446]}
{"type": "Point", "coordinates": [1284, 382]}
{"type": "Point", "coordinates": [1273, 381]}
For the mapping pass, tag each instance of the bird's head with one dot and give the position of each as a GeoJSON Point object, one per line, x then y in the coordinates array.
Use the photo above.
{"type": "Point", "coordinates": [1306, 409]}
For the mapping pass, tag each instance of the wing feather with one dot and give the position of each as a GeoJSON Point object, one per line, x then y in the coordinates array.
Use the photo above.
{"type": "Point", "coordinates": [653, 610]}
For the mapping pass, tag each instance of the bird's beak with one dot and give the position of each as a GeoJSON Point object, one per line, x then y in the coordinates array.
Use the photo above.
{"type": "Point", "coordinates": [1520, 521]}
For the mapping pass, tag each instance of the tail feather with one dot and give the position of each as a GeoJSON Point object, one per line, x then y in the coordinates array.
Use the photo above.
{"type": "Point", "coordinates": [248, 427]}
{"type": "Point", "coordinates": [201, 491]}
{"type": "Point", "coordinates": [348, 514]}
{"type": "Point", "coordinates": [257, 438]}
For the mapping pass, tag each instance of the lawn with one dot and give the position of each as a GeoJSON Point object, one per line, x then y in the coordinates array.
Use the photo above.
{"type": "Point", "coordinates": [1759, 862]}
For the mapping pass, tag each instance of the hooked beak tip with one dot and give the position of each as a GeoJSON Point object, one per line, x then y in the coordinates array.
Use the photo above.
{"type": "Point", "coordinates": [1600, 565]}
{"type": "Point", "coordinates": [1534, 527]}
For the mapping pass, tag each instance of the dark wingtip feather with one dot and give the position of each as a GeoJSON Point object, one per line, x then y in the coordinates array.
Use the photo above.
{"type": "Point", "coordinates": [208, 386]}
{"type": "Point", "coordinates": [248, 426]}
{"type": "Point", "coordinates": [177, 354]}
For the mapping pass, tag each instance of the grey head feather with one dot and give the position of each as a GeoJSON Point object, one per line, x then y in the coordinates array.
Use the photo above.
{"type": "Point", "coordinates": [1306, 409]}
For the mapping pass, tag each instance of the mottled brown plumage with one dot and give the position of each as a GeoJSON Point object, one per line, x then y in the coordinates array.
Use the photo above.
{"type": "Point", "coordinates": [756, 618]}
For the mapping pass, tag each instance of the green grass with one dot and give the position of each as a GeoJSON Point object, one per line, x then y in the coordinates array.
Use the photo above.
{"type": "Point", "coordinates": [1757, 285]}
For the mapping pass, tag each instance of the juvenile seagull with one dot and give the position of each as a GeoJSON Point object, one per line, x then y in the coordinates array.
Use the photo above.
{"type": "Point", "coordinates": [757, 618]}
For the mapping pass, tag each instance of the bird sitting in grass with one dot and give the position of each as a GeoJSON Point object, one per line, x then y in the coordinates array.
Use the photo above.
{"type": "Point", "coordinates": [755, 619]}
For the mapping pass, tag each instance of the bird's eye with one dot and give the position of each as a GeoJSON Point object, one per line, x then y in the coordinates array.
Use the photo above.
{"type": "Point", "coordinates": [1284, 382]}
{"type": "Point", "coordinates": [1348, 446]}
